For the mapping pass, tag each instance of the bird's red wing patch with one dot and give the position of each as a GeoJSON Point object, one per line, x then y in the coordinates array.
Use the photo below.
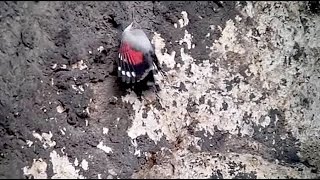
{"type": "Point", "coordinates": [130, 55]}
{"type": "Point", "coordinates": [133, 65]}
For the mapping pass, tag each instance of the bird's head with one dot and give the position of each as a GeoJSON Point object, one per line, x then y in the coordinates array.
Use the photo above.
{"type": "Point", "coordinates": [132, 26]}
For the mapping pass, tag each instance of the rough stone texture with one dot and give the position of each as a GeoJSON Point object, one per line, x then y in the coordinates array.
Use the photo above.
{"type": "Point", "coordinates": [241, 97]}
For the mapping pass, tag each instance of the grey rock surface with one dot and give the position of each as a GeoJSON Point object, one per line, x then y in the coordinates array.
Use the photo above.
{"type": "Point", "coordinates": [241, 98]}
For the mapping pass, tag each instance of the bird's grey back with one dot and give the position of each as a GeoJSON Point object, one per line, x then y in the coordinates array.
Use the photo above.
{"type": "Point", "coordinates": [137, 39]}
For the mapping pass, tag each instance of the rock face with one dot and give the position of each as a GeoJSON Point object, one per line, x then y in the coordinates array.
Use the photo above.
{"type": "Point", "coordinates": [241, 97]}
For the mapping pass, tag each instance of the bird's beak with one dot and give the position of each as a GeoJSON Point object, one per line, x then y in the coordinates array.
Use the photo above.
{"type": "Point", "coordinates": [129, 27]}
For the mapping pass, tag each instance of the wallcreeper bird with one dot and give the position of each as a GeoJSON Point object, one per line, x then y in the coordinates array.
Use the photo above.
{"type": "Point", "coordinates": [137, 62]}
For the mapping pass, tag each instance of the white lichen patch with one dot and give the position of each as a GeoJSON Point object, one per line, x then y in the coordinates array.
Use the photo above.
{"type": "Point", "coordinates": [271, 65]}
{"type": "Point", "coordinates": [249, 9]}
{"type": "Point", "coordinates": [62, 168]}
{"type": "Point", "coordinates": [62, 132]}
{"type": "Point", "coordinates": [238, 18]}
{"type": "Point", "coordinates": [294, 57]}
{"type": "Point", "coordinates": [172, 120]}
{"type": "Point", "coordinates": [63, 66]}
{"type": "Point", "coordinates": [186, 39]}
{"type": "Point", "coordinates": [104, 147]}
{"type": "Point", "coordinates": [266, 121]}
{"type": "Point", "coordinates": [151, 124]}
{"type": "Point", "coordinates": [228, 165]}
{"type": "Point", "coordinates": [168, 59]}
{"type": "Point", "coordinates": [76, 162]}
{"type": "Point", "coordinates": [74, 87]}
{"type": "Point", "coordinates": [37, 170]}
{"type": "Point", "coordinates": [29, 143]}
{"type": "Point", "coordinates": [79, 88]}
{"type": "Point", "coordinates": [79, 65]}
{"type": "Point", "coordinates": [112, 172]}
{"type": "Point", "coordinates": [228, 42]}
{"type": "Point", "coordinates": [100, 49]}
{"type": "Point", "coordinates": [54, 66]}
{"type": "Point", "coordinates": [109, 177]}
{"type": "Point", "coordinates": [60, 109]}
{"type": "Point", "coordinates": [137, 151]}
{"type": "Point", "coordinates": [105, 130]}
{"type": "Point", "coordinates": [84, 165]}
{"type": "Point", "coordinates": [184, 21]}
{"type": "Point", "coordinates": [45, 138]}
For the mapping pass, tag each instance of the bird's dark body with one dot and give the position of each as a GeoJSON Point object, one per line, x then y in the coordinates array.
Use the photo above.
{"type": "Point", "coordinates": [137, 62]}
